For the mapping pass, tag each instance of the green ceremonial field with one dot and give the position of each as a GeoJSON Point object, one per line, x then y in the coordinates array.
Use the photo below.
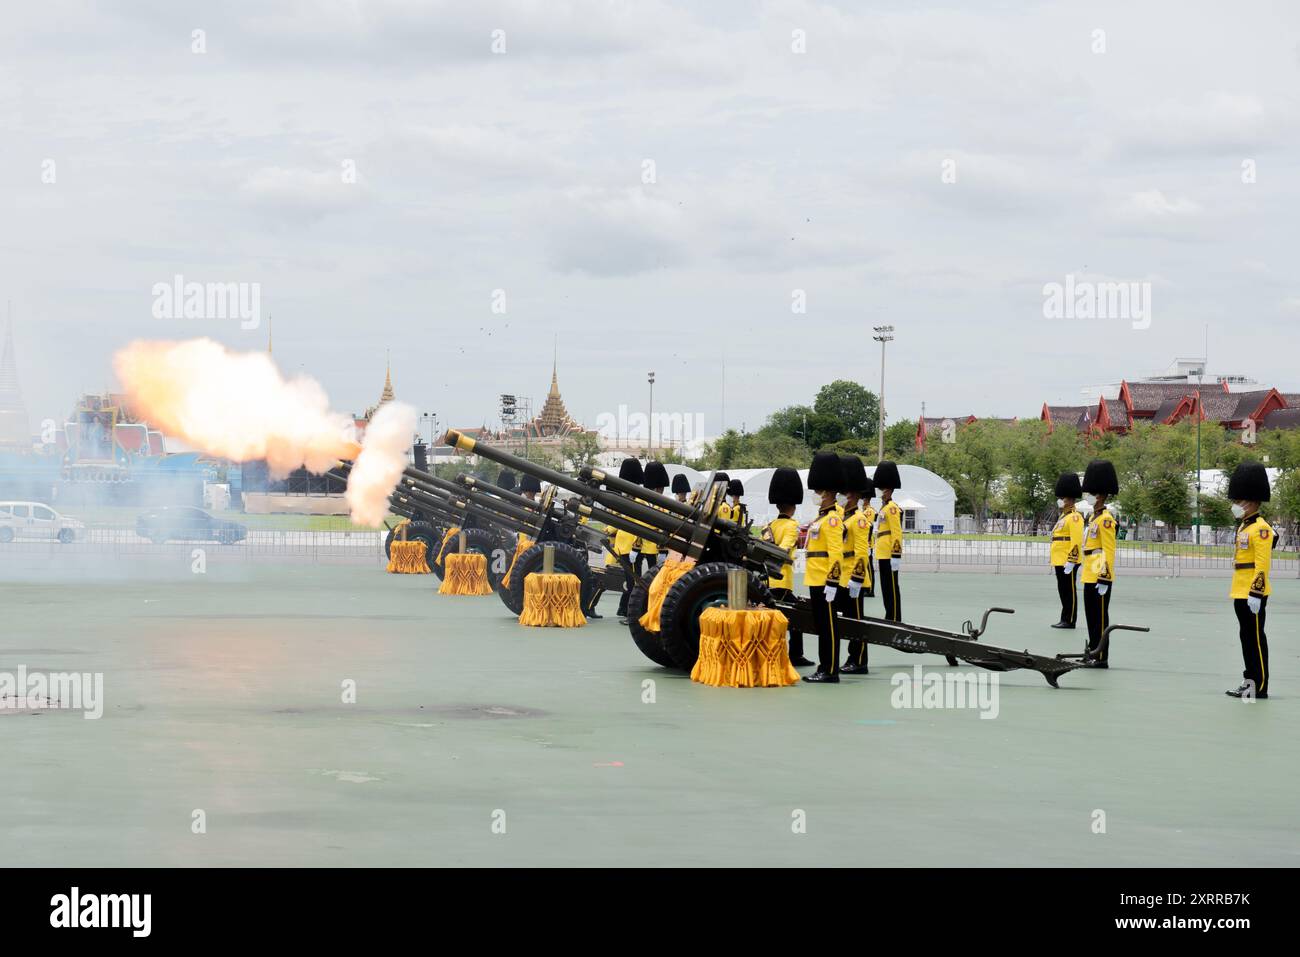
{"type": "Point", "coordinates": [474, 741]}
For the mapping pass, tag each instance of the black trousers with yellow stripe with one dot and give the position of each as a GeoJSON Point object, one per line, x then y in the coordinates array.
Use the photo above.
{"type": "Point", "coordinates": [1067, 588]}
{"type": "Point", "coordinates": [887, 585]}
{"type": "Point", "coordinates": [849, 607]}
{"type": "Point", "coordinates": [1096, 609]}
{"type": "Point", "coordinates": [828, 639]}
{"type": "Point", "coordinates": [1254, 643]}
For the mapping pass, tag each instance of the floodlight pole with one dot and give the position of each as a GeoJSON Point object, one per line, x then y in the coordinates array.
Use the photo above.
{"type": "Point", "coordinates": [883, 334]}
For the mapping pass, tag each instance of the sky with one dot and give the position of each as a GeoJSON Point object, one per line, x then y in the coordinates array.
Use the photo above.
{"type": "Point", "coordinates": [470, 187]}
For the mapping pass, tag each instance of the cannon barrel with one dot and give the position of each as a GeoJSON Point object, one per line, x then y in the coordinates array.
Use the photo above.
{"type": "Point", "coordinates": [483, 501]}
{"type": "Point", "coordinates": [463, 443]}
{"type": "Point", "coordinates": [460, 509]}
{"type": "Point", "coordinates": [514, 498]}
{"type": "Point", "coordinates": [625, 524]}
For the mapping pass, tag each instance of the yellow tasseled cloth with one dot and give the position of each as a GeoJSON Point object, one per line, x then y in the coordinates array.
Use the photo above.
{"type": "Point", "coordinates": [446, 540]}
{"type": "Point", "coordinates": [466, 574]}
{"type": "Point", "coordinates": [744, 649]}
{"type": "Point", "coordinates": [552, 600]}
{"type": "Point", "coordinates": [664, 579]}
{"type": "Point", "coordinates": [407, 558]}
{"type": "Point", "coordinates": [522, 545]}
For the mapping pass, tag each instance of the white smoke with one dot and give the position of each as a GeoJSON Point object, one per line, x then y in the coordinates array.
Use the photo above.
{"type": "Point", "coordinates": [379, 466]}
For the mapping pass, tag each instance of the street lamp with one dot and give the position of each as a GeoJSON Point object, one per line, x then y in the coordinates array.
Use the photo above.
{"type": "Point", "coordinates": [651, 380]}
{"type": "Point", "coordinates": [1200, 414]}
{"type": "Point", "coordinates": [883, 334]}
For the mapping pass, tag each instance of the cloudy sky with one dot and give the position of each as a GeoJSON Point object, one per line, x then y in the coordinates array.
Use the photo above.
{"type": "Point", "coordinates": [656, 184]}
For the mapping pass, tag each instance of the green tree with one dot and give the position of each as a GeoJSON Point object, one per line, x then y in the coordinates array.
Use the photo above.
{"type": "Point", "coordinates": [855, 408]}
{"type": "Point", "coordinates": [580, 449]}
{"type": "Point", "coordinates": [900, 440]}
{"type": "Point", "coordinates": [973, 464]}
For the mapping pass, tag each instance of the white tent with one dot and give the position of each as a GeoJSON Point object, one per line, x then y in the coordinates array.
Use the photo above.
{"type": "Point", "coordinates": [926, 499]}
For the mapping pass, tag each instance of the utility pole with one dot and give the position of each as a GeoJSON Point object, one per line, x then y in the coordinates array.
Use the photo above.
{"type": "Point", "coordinates": [651, 424]}
{"type": "Point", "coordinates": [883, 334]}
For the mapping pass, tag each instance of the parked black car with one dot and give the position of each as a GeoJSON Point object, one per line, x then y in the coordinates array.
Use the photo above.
{"type": "Point", "coordinates": [187, 525]}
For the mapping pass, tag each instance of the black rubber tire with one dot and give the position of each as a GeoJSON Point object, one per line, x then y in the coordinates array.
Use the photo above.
{"type": "Point", "coordinates": [569, 559]}
{"type": "Point", "coordinates": [649, 643]}
{"type": "Point", "coordinates": [6, 535]}
{"type": "Point", "coordinates": [700, 588]}
{"type": "Point", "coordinates": [66, 536]}
{"type": "Point", "coordinates": [484, 542]}
{"type": "Point", "coordinates": [425, 532]}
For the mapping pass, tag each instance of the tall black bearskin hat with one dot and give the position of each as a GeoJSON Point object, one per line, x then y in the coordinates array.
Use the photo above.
{"type": "Point", "coordinates": [529, 483]}
{"type": "Point", "coordinates": [722, 477]}
{"type": "Point", "coordinates": [630, 471]}
{"type": "Point", "coordinates": [785, 488]}
{"type": "Point", "coordinates": [826, 474]}
{"type": "Point", "coordinates": [1249, 483]}
{"type": "Point", "coordinates": [1067, 486]}
{"type": "Point", "coordinates": [656, 476]}
{"type": "Point", "coordinates": [506, 480]}
{"type": "Point", "coordinates": [855, 474]}
{"type": "Point", "coordinates": [681, 484]}
{"type": "Point", "coordinates": [735, 487]}
{"type": "Point", "coordinates": [1100, 478]}
{"type": "Point", "coordinates": [887, 476]}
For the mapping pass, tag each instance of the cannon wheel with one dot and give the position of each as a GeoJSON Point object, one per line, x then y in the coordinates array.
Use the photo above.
{"type": "Point", "coordinates": [485, 543]}
{"type": "Point", "coordinates": [650, 643]}
{"type": "Point", "coordinates": [568, 559]}
{"type": "Point", "coordinates": [702, 587]}
{"type": "Point", "coordinates": [425, 532]}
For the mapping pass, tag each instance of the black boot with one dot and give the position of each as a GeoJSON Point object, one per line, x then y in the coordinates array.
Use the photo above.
{"type": "Point", "coordinates": [1063, 624]}
{"type": "Point", "coordinates": [822, 677]}
{"type": "Point", "coordinates": [853, 668]}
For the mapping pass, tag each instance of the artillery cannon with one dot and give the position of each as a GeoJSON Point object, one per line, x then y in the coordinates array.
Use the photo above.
{"type": "Point", "coordinates": [716, 545]}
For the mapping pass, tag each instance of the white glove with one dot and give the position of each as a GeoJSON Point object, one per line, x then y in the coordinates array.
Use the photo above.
{"type": "Point", "coordinates": [633, 556]}
{"type": "Point", "coordinates": [1253, 603]}
{"type": "Point", "coordinates": [1102, 589]}
{"type": "Point", "coordinates": [894, 564]}
{"type": "Point", "coordinates": [830, 592]}
{"type": "Point", "coordinates": [855, 588]}
{"type": "Point", "coordinates": [1069, 568]}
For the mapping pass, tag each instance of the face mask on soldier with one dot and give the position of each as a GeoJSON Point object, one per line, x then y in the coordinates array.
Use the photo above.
{"type": "Point", "coordinates": [1238, 510]}
{"type": "Point", "coordinates": [1090, 498]}
{"type": "Point", "coordinates": [1060, 503]}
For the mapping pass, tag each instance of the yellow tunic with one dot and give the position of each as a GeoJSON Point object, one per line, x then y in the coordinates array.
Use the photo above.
{"type": "Point", "coordinates": [1067, 539]}
{"type": "Point", "coordinates": [825, 548]}
{"type": "Point", "coordinates": [889, 532]}
{"type": "Point", "coordinates": [1099, 548]}
{"type": "Point", "coordinates": [857, 547]}
{"type": "Point", "coordinates": [1253, 559]}
{"type": "Point", "coordinates": [783, 533]}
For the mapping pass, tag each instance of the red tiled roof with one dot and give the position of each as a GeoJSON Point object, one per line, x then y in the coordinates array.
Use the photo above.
{"type": "Point", "coordinates": [1282, 419]}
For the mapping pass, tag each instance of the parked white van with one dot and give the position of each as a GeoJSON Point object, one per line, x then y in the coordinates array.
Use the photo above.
{"type": "Point", "coordinates": [34, 520]}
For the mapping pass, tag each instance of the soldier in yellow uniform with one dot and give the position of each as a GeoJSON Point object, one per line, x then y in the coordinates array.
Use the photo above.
{"type": "Point", "coordinates": [786, 493]}
{"type": "Point", "coordinates": [825, 556]}
{"type": "Point", "coordinates": [1099, 483]}
{"type": "Point", "coordinates": [1067, 548]}
{"type": "Point", "coordinates": [626, 545]}
{"type": "Point", "coordinates": [739, 513]}
{"type": "Point", "coordinates": [855, 573]}
{"type": "Point", "coordinates": [1251, 586]}
{"type": "Point", "coordinates": [889, 539]}
{"type": "Point", "coordinates": [656, 480]}
{"type": "Point", "coordinates": [724, 508]}
{"type": "Point", "coordinates": [681, 487]}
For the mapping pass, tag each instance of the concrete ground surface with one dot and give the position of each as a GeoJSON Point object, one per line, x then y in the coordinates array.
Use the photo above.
{"type": "Point", "coordinates": [223, 694]}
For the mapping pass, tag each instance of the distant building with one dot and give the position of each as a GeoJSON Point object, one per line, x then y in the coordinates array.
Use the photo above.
{"type": "Point", "coordinates": [927, 425]}
{"type": "Point", "coordinates": [15, 431]}
{"type": "Point", "coordinates": [550, 428]}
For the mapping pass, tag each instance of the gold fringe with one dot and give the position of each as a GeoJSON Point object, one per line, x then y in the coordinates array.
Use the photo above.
{"type": "Point", "coordinates": [446, 540]}
{"type": "Point", "coordinates": [664, 579]}
{"type": "Point", "coordinates": [466, 575]}
{"type": "Point", "coordinates": [552, 600]}
{"type": "Point", "coordinates": [408, 558]}
{"type": "Point", "coordinates": [744, 649]}
{"type": "Point", "coordinates": [522, 545]}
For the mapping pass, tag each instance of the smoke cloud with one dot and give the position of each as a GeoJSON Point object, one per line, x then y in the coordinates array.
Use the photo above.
{"type": "Point", "coordinates": [238, 406]}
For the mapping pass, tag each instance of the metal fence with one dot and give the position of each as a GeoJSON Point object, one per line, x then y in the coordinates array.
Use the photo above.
{"type": "Point", "coordinates": [939, 553]}
{"type": "Point", "coordinates": [360, 547]}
